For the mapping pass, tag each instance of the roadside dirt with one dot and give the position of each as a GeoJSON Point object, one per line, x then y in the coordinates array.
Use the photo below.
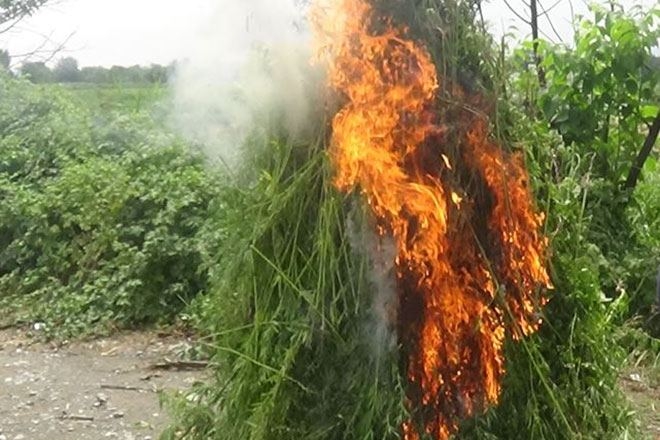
{"type": "Point", "coordinates": [104, 389]}
{"type": "Point", "coordinates": [108, 389]}
{"type": "Point", "coordinates": [642, 388]}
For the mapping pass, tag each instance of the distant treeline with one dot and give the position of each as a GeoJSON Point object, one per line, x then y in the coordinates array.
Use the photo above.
{"type": "Point", "coordinates": [66, 70]}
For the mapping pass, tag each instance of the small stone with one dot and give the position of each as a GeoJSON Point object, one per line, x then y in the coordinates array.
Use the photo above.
{"type": "Point", "coordinates": [117, 415]}
{"type": "Point", "coordinates": [101, 400]}
{"type": "Point", "coordinates": [142, 424]}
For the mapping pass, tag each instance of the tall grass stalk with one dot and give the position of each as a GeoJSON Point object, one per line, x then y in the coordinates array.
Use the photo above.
{"type": "Point", "coordinates": [292, 316]}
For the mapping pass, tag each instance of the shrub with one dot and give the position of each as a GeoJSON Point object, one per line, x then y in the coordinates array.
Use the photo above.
{"type": "Point", "coordinates": [99, 227]}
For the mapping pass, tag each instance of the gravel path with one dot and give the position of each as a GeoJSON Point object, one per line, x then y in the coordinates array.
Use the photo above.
{"type": "Point", "coordinates": [105, 389]}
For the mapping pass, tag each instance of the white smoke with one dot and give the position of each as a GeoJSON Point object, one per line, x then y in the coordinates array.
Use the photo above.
{"type": "Point", "coordinates": [380, 252]}
{"type": "Point", "coordinates": [248, 70]}
{"type": "Point", "coordinates": [385, 306]}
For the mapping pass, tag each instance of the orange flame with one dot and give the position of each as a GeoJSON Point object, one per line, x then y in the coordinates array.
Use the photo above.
{"type": "Point", "coordinates": [469, 252]}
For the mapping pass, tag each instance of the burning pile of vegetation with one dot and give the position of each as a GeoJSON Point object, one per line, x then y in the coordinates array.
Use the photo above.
{"type": "Point", "coordinates": [469, 250]}
{"type": "Point", "coordinates": [477, 355]}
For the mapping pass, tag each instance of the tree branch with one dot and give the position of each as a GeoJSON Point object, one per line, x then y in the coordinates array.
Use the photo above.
{"type": "Point", "coordinates": [644, 153]}
{"type": "Point", "coordinates": [546, 11]}
{"type": "Point", "coordinates": [535, 35]}
{"type": "Point", "coordinates": [17, 9]}
{"type": "Point", "coordinates": [10, 24]}
{"type": "Point", "coordinates": [512, 9]}
{"type": "Point", "coordinates": [547, 17]}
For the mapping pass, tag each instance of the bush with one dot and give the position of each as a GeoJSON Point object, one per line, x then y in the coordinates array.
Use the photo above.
{"type": "Point", "coordinates": [99, 227]}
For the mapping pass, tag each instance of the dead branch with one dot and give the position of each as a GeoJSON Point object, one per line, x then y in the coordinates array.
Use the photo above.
{"type": "Point", "coordinates": [180, 365]}
{"type": "Point", "coordinates": [42, 53]}
{"type": "Point", "coordinates": [77, 418]}
{"type": "Point", "coordinates": [123, 387]}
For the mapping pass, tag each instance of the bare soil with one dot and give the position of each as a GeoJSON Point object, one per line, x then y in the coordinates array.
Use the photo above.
{"type": "Point", "coordinates": [109, 388]}
{"type": "Point", "coordinates": [641, 386]}
{"type": "Point", "coordinates": [104, 389]}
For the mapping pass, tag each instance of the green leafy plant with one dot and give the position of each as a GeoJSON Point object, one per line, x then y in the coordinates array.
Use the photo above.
{"type": "Point", "coordinates": [601, 96]}
{"type": "Point", "coordinates": [99, 226]}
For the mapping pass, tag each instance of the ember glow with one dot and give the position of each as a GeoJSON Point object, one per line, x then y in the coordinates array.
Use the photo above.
{"type": "Point", "coordinates": [469, 253]}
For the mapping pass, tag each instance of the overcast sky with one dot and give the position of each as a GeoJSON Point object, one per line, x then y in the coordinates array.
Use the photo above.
{"type": "Point", "coordinates": [127, 32]}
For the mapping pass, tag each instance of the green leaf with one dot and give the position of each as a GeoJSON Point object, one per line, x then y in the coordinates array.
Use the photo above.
{"type": "Point", "coordinates": [649, 112]}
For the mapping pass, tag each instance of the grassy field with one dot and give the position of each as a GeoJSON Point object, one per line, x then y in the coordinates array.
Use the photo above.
{"type": "Point", "coordinates": [123, 98]}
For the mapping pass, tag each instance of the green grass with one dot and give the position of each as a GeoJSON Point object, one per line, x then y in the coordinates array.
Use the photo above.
{"type": "Point", "coordinates": [288, 317]}
{"type": "Point", "coordinates": [124, 98]}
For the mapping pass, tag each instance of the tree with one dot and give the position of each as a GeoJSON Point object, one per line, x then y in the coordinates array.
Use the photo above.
{"type": "Point", "coordinates": [12, 11]}
{"type": "Point", "coordinates": [5, 60]}
{"type": "Point", "coordinates": [602, 93]}
{"type": "Point", "coordinates": [118, 73]}
{"type": "Point", "coordinates": [94, 75]}
{"type": "Point", "coordinates": [157, 74]}
{"type": "Point", "coordinates": [37, 72]}
{"type": "Point", "coordinates": [135, 75]}
{"type": "Point", "coordinates": [66, 70]}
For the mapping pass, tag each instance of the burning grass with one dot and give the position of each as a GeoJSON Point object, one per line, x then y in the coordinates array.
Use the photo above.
{"type": "Point", "coordinates": [292, 314]}
{"type": "Point", "coordinates": [291, 323]}
{"type": "Point", "coordinates": [470, 254]}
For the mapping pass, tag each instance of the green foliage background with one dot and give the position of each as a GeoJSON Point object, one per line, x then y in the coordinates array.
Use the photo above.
{"type": "Point", "coordinates": [100, 214]}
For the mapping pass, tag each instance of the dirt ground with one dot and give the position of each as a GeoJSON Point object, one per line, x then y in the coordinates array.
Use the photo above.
{"type": "Point", "coordinates": [642, 388]}
{"type": "Point", "coordinates": [109, 388]}
{"type": "Point", "coordinates": [104, 389]}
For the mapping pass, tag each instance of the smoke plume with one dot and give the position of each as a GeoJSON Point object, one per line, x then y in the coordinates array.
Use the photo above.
{"type": "Point", "coordinates": [380, 253]}
{"type": "Point", "coordinates": [247, 72]}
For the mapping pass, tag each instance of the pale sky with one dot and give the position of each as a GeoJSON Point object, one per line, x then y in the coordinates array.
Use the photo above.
{"type": "Point", "coordinates": [127, 32]}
